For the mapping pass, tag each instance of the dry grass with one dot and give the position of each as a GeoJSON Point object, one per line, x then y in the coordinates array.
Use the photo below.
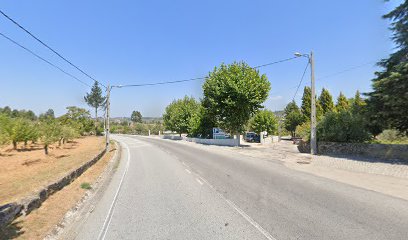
{"type": "Point", "coordinates": [42, 220]}
{"type": "Point", "coordinates": [25, 171]}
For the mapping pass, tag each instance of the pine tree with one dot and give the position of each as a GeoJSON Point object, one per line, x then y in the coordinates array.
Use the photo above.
{"type": "Point", "coordinates": [342, 103]}
{"type": "Point", "coordinates": [96, 100]}
{"type": "Point", "coordinates": [388, 103]}
{"type": "Point", "coordinates": [306, 107]}
{"type": "Point", "coordinates": [357, 103]}
{"type": "Point", "coordinates": [326, 101]}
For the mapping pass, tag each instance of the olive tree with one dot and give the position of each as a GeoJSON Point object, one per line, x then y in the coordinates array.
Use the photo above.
{"type": "Point", "coordinates": [50, 132]}
{"type": "Point", "coordinates": [233, 93]}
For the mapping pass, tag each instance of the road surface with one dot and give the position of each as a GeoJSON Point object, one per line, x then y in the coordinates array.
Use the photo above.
{"type": "Point", "coordinates": [164, 189]}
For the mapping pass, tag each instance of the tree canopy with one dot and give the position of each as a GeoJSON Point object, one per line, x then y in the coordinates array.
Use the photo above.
{"type": "Point", "coordinates": [136, 117]}
{"type": "Point", "coordinates": [264, 120]}
{"type": "Point", "coordinates": [342, 103]}
{"type": "Point", "coordinates": [233, 93]}
{"type": "Point", "coordinates": [293, 117]}
{"type": "Point", "coordinates": [178, 114]}
{"type": "Point", "coordinates": [388, 102]}
{"type": "Point", "coordinates": [95, 99]}
{"type": "Point", "coordinates": [326, 101]}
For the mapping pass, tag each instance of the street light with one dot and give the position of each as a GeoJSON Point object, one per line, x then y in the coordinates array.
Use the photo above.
{"type": "Point", "coordinates": [313, 141]}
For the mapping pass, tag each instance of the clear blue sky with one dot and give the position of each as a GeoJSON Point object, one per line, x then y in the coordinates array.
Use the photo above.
{"type": "Point", "coordinates": [130, 42]}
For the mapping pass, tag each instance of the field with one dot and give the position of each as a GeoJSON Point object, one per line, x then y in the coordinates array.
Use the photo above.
{"type": "Point", "coordinates": [28, 169]}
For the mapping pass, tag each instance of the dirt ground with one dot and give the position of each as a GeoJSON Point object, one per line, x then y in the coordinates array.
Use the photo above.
{"type": "Point", "coordinates": [28, 169]}
{"type": "Point", "coordinates": [41, 221]}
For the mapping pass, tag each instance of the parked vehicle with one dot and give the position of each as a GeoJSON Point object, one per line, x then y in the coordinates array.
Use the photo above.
{"type": "Point", "coordinates": [252, 137]}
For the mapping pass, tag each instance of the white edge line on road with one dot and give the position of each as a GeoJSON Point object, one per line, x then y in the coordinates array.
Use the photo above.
{"type": "Point", "coordinates": [187, 170]}
{"type": "Point", "coordinates": [240, 211]}
{"type": "Point", "coordinates": [250, 220]}
{"type": "Point", "coordinates": [108, 218]}
{"type": "Point", "coordinates": [198, 180]}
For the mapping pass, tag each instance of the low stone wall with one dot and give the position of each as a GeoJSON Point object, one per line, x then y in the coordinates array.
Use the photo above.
{"type": "Point", "coordinates": [10, 211]}
{"type": "Point", "coordinates": [381, 151]}
{"type": "Point", "coordinates": [172, 137]}
{"type": "Point", "coordinates": [219, 142]}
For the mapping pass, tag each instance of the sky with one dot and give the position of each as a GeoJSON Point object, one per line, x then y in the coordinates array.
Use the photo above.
{"type": "Point", "coordinates": [133, 42]}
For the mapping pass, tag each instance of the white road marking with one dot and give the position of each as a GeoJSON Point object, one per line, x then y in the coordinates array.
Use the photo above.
{"type": "Point", "coordinates": [188, 171]}
{"type": "Point", "coordinates": [184, 164]}
{"type": "Point", "coordinates": [240, 211]}
{"type": "Point", "coordinates": [108, 218]}
{"type": "Point", "coordinates": [198, 180]}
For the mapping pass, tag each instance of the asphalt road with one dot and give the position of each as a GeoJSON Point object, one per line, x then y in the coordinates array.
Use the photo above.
{"type": "Point", "coordinates": [169, 190]}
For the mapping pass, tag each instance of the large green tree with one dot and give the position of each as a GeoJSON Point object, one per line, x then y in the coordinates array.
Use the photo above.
{"type": "Point", "coordinates": [264, 120]}
{"type": "Point", "coordinates": [178, 114]}
{"type": "Point", "coordinates": [326, 101]}
{"type": "Point", "coordinates": [342, 103]}
{"type": "Point", "coordinates": [136, 117]}
{"type": "Point", "coordinates": [357, 103]}
{"type": "Point", "coordinates": [233, 93]}
{"type": "Point", "coordinates": [96, 100]}
{"type": "Point", "coordinates": [388, 102]}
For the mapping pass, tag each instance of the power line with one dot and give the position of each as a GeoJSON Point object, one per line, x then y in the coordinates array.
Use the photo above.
{"type": "Point", "coordinates": [160, 83]}
{"type": "Point", "coordinates": [195, 79]}
{"type": "Point", "coordinates": [43, 59]}
{"type": "Point", "coordinates": [280, 61]}
{"type": "Point", "coordinates": [346, 70]}
{"type": "Point", "coordinates": [45, 45]}
{"type": "Point", "coordinates": [301, 79]}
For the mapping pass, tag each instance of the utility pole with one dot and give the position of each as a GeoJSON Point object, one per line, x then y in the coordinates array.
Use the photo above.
{"type": "Point", "coordinates": [107, 133]}
{"type": "Point", "coordinates": [313, 141]}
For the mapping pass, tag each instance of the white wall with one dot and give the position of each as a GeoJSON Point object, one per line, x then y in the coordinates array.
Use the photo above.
{"type": "Point", "coordinates": [219, 142]}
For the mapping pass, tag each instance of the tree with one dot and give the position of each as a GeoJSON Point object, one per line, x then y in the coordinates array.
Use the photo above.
{"type": "Point", "coordinates": [49, 114]}
{"type": "Point", "coordinates": [96, 100]}
{"type": "Point", "coordinates": [4, 133]}
{"type": "Point", "coordinates": [136, 117]}
{"type": "Point", "coordinates": [233, 93]}
{"type": "Point", "coordinates": [264, 120]}
{"type": "Point", "coordinates": [201, 124]}
{"type": "Point", "coordinates": [388, 101]}
{"type": "Point", "coordinates": [79, 119]}
{"type": "Point", "coordinates": [293, 118]}
{"type": "Point", "coordinates": [178, 114]}
{"type": "Point", "coordinates": [50, 132]}
{"type": "Point", "coordinates": [357, 103]}
{"type": "Point", "coordinates": [342, 103]}
{"type": "Point", "coordinates": [342, 126]}
{"type": "Point", "coordinates": [326, 101]}
{"type": "Point", "coordinates": [306, 107]}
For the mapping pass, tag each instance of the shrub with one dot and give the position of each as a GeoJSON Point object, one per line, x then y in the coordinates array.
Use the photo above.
{"type": "Point", "coordinates": [342, 126]}
{"type": "Point", "coordinates": [392, 136]}
{"type": "Point", "coordinates": [303, 131]}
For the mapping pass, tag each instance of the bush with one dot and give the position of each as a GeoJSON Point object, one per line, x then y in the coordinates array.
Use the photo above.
{"type": "Point", "coordinates": [392, 136]}
{"type": "Point", "coordinates": [342, 126]}
{"type": "Point", "coordinates": [303, 131]}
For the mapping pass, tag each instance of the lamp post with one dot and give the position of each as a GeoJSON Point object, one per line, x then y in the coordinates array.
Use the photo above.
{"type": "Point", "coordinates": [313, 141]}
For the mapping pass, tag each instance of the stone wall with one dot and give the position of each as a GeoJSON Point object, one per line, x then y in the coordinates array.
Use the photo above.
{"type": "Point", "coordinates": [381, 151]}
{"type": "Point", "coordinates": [10, 211]}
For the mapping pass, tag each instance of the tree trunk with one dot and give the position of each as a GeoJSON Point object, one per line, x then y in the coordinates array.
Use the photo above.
{"type": "Point", "coordinates": [14, 145]}
{"type": "Point", "coordinates": [46, 149]}
{"type": "Point", "coordinates": [96, 121]}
